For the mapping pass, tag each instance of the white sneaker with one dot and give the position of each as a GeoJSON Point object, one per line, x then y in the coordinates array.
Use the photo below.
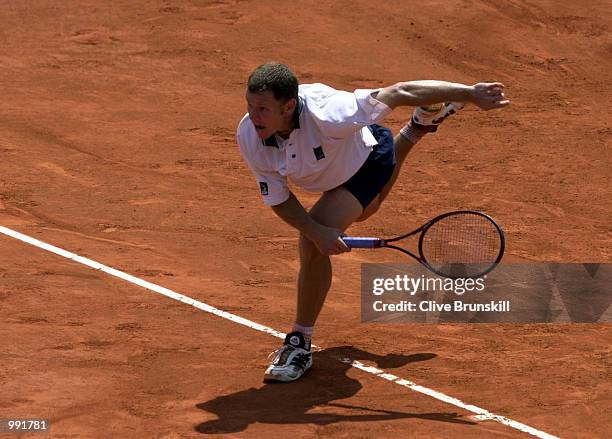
{"type": "Point", "coordinates": [433, 115]}
{"type": "Point", "coordinates": [290, 361]}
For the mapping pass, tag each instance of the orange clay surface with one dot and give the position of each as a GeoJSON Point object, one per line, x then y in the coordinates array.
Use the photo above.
{"type": "Point", "coordinates": [117, 143]}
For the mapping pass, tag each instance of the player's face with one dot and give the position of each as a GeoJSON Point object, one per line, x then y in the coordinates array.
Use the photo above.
{"type": "Point", "coordinates": [267, 114]}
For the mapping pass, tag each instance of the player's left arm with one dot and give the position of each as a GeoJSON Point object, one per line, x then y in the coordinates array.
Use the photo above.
{"type": "Point", "coordinates": [486, 95]}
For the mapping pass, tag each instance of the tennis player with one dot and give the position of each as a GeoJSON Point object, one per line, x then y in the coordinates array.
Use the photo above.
{"type": "Point", "coordinates": [330, 141]}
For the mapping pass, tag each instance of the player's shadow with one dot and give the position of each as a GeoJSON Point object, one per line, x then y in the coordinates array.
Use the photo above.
{"type": "Point", "coordinates": [325, 382]}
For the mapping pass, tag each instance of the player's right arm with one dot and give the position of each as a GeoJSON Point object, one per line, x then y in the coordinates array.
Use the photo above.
{"type": "Point", "coordinates": [327, 239]}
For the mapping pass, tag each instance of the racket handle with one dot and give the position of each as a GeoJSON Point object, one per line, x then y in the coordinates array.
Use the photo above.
{"type": "Point", "coordinates": [362, 242]}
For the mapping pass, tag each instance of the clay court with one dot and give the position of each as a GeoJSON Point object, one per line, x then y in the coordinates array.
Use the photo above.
{"type": "Point", "coordinates": [117, 144]}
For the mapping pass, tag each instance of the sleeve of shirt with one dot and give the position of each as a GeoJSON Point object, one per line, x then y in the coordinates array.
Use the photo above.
{"type": "Point", "coordinates": [339, 113]}
{"type": "Point", "coordinates": [272, 185]}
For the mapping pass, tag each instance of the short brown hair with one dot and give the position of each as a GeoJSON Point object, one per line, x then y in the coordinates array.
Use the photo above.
{"type": "Point", "coordinates": [277, 78]}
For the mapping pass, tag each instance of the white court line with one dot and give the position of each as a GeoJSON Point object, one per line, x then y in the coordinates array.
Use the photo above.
{"type": "Point", "coordinates": [480, 414]}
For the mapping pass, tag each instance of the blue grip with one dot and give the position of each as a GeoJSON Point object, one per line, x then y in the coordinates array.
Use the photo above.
{"type": "Point", "coordinates": [362, 242]}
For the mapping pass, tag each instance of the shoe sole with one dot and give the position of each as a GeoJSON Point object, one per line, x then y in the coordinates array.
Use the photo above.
{"type": "Point", "coordinates": [271, 378]}
{"type": "Point", "coordinates": [449, 109]}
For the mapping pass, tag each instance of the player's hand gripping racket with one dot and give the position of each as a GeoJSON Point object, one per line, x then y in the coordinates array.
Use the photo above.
{"type": "Point", "coordinates": [455, 244]}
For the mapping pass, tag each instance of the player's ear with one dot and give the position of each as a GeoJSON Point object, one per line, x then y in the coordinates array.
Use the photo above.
{"type": "Point", "coordinates": [289, 106]}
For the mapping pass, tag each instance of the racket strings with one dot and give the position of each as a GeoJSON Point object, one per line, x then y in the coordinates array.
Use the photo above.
{"type": "Point", "coordinates": [464, 238]}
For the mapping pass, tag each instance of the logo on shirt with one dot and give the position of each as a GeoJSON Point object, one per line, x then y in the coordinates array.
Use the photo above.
{"type": "Point", "coordinates": [318, 152]}
{"type": "Point", "coordinates": [263, 187]}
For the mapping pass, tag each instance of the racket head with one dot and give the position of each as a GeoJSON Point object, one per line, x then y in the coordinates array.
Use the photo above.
{"type": "Point", "coordinates": [461, 244]}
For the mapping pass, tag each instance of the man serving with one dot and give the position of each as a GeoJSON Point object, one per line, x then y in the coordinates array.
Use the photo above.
{"type": "Point", "coordinates": [329, 141]}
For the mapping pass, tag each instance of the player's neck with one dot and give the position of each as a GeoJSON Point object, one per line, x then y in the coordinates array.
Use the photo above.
{"type": "Point", "coordinates": [286, 129]}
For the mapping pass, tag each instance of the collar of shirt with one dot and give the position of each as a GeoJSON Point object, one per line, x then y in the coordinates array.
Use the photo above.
{"type": "Point", "coordinates": [272, 140]}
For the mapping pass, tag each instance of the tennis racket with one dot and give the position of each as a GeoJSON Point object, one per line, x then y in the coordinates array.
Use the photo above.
{"type": "Point", "coordinates": [463, 243]}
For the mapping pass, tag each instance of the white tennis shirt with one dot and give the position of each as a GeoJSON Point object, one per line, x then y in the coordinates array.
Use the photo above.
{"type": "Point", "coordinates": [329, 144]}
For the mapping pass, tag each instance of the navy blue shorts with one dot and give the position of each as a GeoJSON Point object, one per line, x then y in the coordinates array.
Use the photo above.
{"type": "Point", "coordinates": [374, 174]}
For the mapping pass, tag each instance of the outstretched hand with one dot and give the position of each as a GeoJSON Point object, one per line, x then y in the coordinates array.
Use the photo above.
{"type": "Point", "coordinates": [489, 95]}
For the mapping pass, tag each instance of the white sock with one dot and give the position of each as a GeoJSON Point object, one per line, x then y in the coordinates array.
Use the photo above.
{"type": "Point", "coordinates": [305, 330]}
{"type": "Point", "coordinates": [411, 134]}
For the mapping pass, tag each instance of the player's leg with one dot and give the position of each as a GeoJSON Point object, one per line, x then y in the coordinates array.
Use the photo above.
{"type": "Point", "coordinates": [423, 121]}
{"type": "Point", "coordinates": [402, 147]}
{"type": "Point", "coordinates": [337, 208]}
